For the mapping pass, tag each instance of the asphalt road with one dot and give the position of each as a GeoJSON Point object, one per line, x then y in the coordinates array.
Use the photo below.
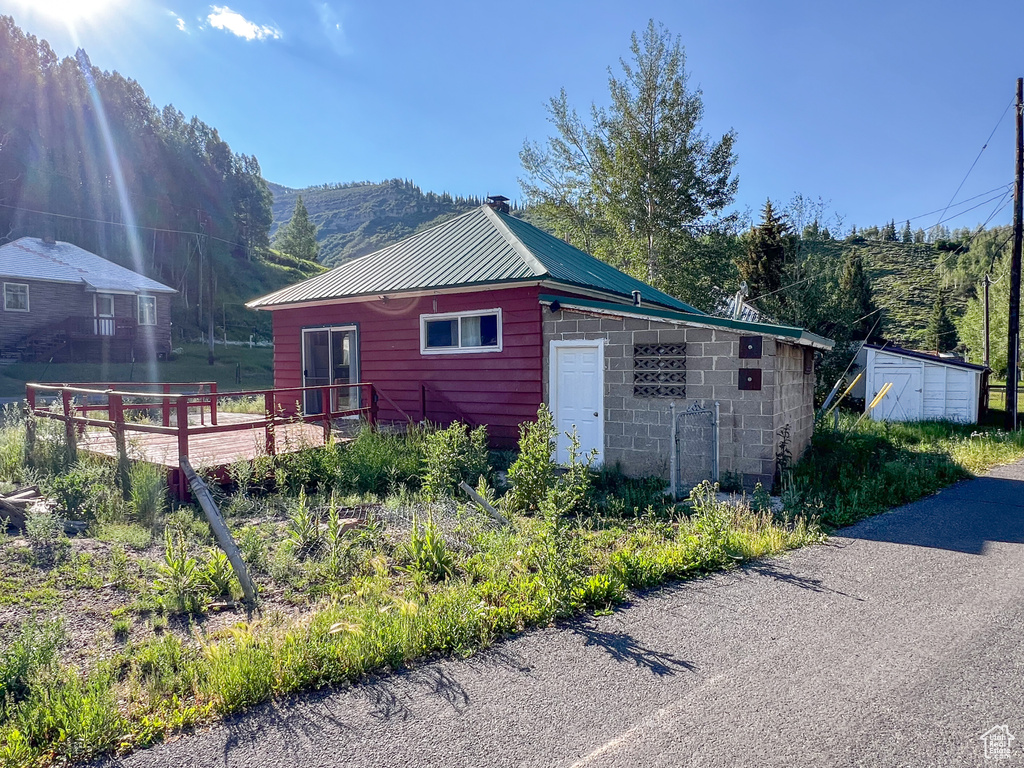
{"type": "Point", "coordinates": [898, 643]}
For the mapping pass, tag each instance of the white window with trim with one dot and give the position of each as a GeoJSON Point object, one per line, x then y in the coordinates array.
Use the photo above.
{"type": "Point", "coordinates": [459, 332]}
{"type": "Point", "coordinates": [15, 297]}
{"type": "Point", "coordinates": [147, 310]}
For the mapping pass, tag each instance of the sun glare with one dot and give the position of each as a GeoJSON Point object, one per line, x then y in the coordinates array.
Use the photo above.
{"type": "Point", "coordinates": [71, 10]}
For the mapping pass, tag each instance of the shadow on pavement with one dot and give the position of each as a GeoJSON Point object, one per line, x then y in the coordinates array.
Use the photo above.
{"type": "Point", "coordinates": [963, 518]}
{"type": "Point", "coordinates": [623, 647]}
{"type": "Point", "coordinates": [772, 570]}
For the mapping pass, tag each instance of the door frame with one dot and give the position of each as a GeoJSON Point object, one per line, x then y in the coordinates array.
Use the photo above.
{"type": "Point", "coordinates": [555, 345]}
{"type": "Point", "coordinates": [99, 320]}
{"type": "Point", "coordinates": [354, 353]}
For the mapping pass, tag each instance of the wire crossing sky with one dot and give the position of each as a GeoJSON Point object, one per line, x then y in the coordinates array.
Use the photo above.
{"type": "Point", "coordinates": [878, 107]}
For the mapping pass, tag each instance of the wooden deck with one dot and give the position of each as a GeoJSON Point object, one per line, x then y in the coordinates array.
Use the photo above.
{"type": "Point", "coordinates": [183, 420]}
{"type": "Point", "coordinates": [209, 450]}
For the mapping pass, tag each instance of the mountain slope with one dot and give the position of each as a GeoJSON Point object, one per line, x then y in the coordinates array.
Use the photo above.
{"type": "Point", "coordinates": [356, 219]}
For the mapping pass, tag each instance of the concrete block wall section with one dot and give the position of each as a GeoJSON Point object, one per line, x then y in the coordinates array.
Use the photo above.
{"type": "Point", "coordinates": [638, 429]}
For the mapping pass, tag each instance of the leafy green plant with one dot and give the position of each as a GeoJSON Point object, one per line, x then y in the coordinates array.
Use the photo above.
{"type": "Point", "coordinates": [44, 529]}
{"type": "Point", "coordinates": [601, 591]}
{"type": "Point", "coordinates": [121, 626]}
{"type": "Point", "coordinates": [148, 491]}
{"type": "Point", "coordinates": [427, 553]}
{"type": "Point", "coordinates": [34, 648]}
{"type": "Point", "coordinates": [304, 527]}
{"type": "Point", "coordinates": [451, 456]}
{"type": "Point", "coordinates": [179, 578]}
{"type": "Point", "coordinates": [218, 575]}
{"type": "Point", "coordinates": [253, 547]}
{"type": "Point", "coordinates": [532, 473]}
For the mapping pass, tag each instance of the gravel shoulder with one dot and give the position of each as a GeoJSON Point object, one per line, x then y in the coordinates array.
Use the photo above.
{"type": "Point", "coordinates": [899, 642]}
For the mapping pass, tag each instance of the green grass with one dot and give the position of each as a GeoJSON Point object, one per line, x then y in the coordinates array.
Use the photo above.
{"type": "Point", "coordinates": [376, 599]}
{"type": "Point", "coordinates": [191, 365]}
{"type": "Point", "coordinates": [849, 474]}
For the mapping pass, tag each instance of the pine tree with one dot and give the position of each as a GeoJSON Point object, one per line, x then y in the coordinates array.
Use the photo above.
{"type": "Point", "coordinates": [855, 289]}
{"type": "Point", "coordinates": [764, 260]}
{"type": "Point", "coordinates": [298, 237]}
{"type": "Point", "coordinates": [907, 235]}
{"type": "Point", "coordinates": [941, 334]}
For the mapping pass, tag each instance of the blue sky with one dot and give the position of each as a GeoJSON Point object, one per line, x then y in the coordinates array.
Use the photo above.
{"type": "Point", "coordinates": [878, 107]}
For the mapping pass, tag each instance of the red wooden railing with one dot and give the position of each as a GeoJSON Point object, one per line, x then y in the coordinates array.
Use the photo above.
{"type": "Point", "coordinates": [80, 407]}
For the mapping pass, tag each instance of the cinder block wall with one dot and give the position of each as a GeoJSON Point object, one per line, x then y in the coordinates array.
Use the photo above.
{"type": "Point", "coordinates": [638, 429]}
{"type": "Point", "coordinates": [794, 398]}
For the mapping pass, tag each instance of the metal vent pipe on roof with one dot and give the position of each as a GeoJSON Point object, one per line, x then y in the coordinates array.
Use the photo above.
{"type": "Point", "coordinates": [636, 298]}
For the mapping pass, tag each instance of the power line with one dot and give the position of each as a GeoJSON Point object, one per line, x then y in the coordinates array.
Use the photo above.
{"type": "Point", "coordinates": [983, 148]}
{"type": "Point", "coordinates": [121, 224]}
{"type": "Point", "coordinates": [962, 202]}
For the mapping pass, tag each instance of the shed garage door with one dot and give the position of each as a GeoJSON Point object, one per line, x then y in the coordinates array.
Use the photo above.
{"type": "Point", "coordinates": [903, 401]}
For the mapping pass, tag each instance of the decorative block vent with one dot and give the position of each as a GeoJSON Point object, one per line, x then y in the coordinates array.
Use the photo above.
{"type": "Point", "coordinates": [659, 370]}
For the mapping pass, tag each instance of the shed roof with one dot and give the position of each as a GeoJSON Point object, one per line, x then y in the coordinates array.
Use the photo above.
{"type": "Point", "coordinates": [925, 356]}
{"type": "Point", "coordinates": [788, 333]}
{"type": "Point", "coordinates": [479, 248]}
{"type": "Point", "coordinates": [30, 258]}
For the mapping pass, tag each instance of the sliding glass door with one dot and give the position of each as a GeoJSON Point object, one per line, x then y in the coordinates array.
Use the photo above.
{"type": "Point", "coordinates": [330, 356]}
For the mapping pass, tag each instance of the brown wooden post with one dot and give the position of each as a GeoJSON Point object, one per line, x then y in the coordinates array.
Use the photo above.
{"type": "Point", "coordinates": [423, 401]}
{"type": "Point", "coordinates": [115, 410]}
{"type": "Point", "coordinates": [213, 403]}
{"type": "Point", "coordinates": [373, 405]}
{"type": "Point", "coordinates": [268, 406]}
{"type": "Point", "coordinates": [167, 404]}
{"type": "Point", "coordinates": [30, 397]}
{"type": "Point", "coordinates": [69, 426]}
{"type": "Point", "coordinates": [325, 409]}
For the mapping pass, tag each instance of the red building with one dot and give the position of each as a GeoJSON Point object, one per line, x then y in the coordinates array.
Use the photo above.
{"type": "Point", "coordinates": [485, 317]}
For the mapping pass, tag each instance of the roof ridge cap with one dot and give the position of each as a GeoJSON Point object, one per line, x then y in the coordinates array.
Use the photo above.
{"type": "Point", "coordinates": [517, 245]}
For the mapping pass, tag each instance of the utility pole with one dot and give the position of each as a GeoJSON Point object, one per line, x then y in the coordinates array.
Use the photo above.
{"type": "Point", "coordinates": [1013, 333]}
{"type": "Point", "coordinates": [988, 281]}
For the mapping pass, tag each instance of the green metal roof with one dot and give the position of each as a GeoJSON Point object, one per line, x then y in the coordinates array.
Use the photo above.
{"type": "Point", "coordinates": [481, 247]}
{"type": "Point", "coordinates": [797, 335]}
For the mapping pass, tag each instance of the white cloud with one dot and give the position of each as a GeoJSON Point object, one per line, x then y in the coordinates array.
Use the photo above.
{"type": "Point", "coordinates": [181, 25]}
{"type": "Point", "coordinates": [224, 18]}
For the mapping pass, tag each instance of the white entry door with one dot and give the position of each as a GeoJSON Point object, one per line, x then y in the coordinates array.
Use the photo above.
{"type": "Point", "coordinates": [576, 386]}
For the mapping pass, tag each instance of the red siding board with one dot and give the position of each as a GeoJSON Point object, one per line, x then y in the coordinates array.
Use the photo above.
{"type": "Point", "coordinates": [500, 389]}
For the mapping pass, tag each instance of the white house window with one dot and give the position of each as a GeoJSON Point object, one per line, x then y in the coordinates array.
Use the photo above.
{"type": "Point", "coordinates": [454, 332]}
{"type": "Point", "coordinates": [15, 297]}
{"type": "Point", "coordinates": [147, 310]}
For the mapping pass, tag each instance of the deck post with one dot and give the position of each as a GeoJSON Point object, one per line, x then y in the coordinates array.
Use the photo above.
{"type": "Point", "coordinates": [115, 411]}
{"type": "Point", "coordinates": [423, 401]}
{"type": "Point", "coordinates": [268, 406]}
{"type": "Point", "coordinates": [182, 417]}
{"type": "Point", "coordinates": [30, 397]}
{"type": "Point", "coordinates": [167, 405]}
{"type": "Point", "coordinates": [69, 426]}
{"type": "Point", "coordinates": [325, 408]}
{"type": "Point", "coordinates": [213, 403]}
{"type": "Point", "coordinates": [373, 405]}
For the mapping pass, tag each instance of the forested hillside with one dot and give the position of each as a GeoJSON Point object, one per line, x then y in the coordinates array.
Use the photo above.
{"type": "Point", "coordinates": [357, 218]}
{"type": "Point", "coordinates": [86, 157]}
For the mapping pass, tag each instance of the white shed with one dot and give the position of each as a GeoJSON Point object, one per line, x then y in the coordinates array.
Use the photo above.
{"type": "Point", "coordinates": [924, 386]}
